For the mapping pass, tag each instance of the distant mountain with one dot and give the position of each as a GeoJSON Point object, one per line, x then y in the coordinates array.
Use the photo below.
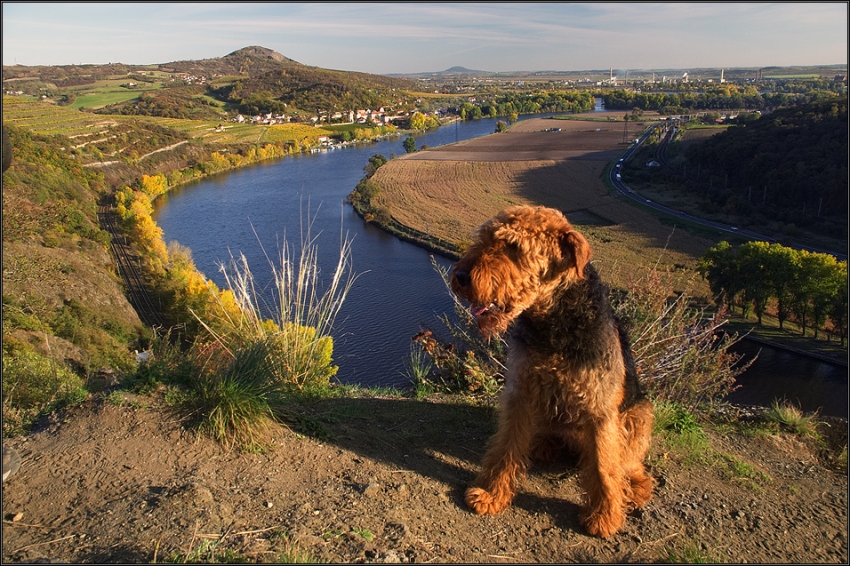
{"type": "Point", "coordinates": [453, 71]}
{"type": "Point", "coordinates": [463, 71]}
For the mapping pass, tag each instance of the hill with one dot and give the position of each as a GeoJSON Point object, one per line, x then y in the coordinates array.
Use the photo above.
{"type": "Point", "coordinates": [61, 294]}
{"type": "Point", "coordinates": [252, 80]}
{"type": "Point", "coordinates": [789, 166]}
{"type": "Point", "coordinates": [249, 61]}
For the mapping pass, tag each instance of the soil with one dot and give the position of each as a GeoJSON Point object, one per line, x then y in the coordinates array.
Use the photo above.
{"type": "Point", "coordinates": [381, 479]}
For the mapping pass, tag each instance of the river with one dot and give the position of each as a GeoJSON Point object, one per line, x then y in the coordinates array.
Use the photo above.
{"type": "Point", "coordinates": [397, 292]}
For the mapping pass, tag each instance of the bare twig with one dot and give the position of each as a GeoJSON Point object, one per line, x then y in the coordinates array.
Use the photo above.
{"type": "Point", "coordinates": [19, 524]}
{"type": "Point", "coordinates": [43, 543]}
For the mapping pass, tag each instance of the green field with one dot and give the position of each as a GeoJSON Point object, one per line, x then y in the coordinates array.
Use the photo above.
{"type": "Point", "coordinates": [50, 119]}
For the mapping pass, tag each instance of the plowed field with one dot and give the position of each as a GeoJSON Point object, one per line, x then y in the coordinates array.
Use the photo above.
{"type": "Point", "coordinates": [448, 191]}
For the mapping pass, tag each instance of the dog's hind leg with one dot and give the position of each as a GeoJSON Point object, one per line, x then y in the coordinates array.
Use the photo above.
{"type": "Point", "coordinates": [507, 458]}
{"type": "Point", "coordinates": [637, 424]}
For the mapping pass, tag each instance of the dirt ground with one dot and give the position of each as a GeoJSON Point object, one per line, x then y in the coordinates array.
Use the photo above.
{"type": "Point", "coordinates": [376, 479]}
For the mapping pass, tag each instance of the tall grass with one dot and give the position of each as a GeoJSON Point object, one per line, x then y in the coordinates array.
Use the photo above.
{"type": "Point", "coordinates": [296, 320]}
{"type": "Point", "coordinates": [262, 347]}
{"type": "Point", "coordinates": [682, 353]}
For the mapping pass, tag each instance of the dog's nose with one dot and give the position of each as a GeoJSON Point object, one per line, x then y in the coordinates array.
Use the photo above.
{"type": "Point", "coordinates": [462, 277]}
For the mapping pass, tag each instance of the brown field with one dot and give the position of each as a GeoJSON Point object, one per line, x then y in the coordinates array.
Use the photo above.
{"type": "Point", "coordinates": [448, 191]}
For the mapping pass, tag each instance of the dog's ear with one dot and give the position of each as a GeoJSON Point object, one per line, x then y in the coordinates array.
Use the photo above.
{"type": "Point", "coordinates": [573, 245]}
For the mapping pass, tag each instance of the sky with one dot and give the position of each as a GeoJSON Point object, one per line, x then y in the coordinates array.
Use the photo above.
{"type": "Point", "coordinates": [414, 37]}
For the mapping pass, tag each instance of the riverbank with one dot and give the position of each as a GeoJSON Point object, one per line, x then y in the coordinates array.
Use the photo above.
{"type": "Point", "coordinates": [769, 333]}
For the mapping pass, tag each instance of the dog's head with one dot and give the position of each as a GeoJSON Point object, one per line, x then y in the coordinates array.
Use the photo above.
{"type": "Point", "coordinates": [516, 262]}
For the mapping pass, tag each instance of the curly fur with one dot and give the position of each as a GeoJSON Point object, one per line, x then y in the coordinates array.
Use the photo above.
{"type": "Point", "coordinates": [571, 376]}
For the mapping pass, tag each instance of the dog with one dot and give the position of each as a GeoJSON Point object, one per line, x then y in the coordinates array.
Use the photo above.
{"type": "Point", "coordinates": [570, 375]}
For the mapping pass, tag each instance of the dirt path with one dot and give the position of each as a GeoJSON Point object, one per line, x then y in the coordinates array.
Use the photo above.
{"type": "Point", "coordinates": [381, 480]}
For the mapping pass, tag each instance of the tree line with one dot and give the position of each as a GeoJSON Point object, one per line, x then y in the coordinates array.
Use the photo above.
{"type": "Point", "coordinates": [767, 278]}
{"type": "Point", "coordinates": [512, 104]}
{"type": "Point", "coordinates": [724, 97]}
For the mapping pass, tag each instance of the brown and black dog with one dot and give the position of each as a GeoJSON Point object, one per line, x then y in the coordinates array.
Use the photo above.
{"type": "Point", "coordinates": [570, 373]}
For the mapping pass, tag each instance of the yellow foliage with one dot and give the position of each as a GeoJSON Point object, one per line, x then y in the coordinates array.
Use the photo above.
{"type": "Point", "coordinates": [154, 185]}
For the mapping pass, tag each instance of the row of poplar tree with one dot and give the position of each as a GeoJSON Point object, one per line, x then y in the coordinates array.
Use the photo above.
{"type": "Point", "coordinates": [805, 287]}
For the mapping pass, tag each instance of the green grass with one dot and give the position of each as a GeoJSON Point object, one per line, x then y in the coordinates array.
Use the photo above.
{"type": "Point", "coordinates": [51, 119]}
{"type": "Point", "coordinates": [692, 552]}
{"type": "Point", "coordinates": [682, 434]}
{"type": "Point", "coordinates": [791, 418]}
{"type": "Point", "coordinates": [101, 99]}
{"type": "Point", "coordinates": [34, 385]}
{"type": "Point", "coordinates": [207, 552]}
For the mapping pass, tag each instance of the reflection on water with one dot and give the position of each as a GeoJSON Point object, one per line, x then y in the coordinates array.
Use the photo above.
{"type": "Point", "coordinates": [778, 374]}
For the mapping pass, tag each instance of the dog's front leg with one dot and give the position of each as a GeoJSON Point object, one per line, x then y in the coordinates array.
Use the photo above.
{"type": "Point", "coordinates": [603, 478]}
{"type": "Point", "coordinates": [507, 459]}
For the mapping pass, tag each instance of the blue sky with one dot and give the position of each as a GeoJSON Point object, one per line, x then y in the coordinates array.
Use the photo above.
{"type": "Point", "coordinates": [408, 37]}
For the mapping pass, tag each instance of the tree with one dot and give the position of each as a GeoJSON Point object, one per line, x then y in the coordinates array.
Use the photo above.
{"type": "Point", "coordinates": [752, 265]}
{"type": "Point", "coordinates": [838, 307]}
{"type": "Point", "coordinates": [375, 162]}
{"type": "Point", "coordinates": [823, 287]}
{"type": "Point", "coordinates": [781, 267]}
{"type": "Point", "coordinates": [501, 126]}
{"type": "Point", "coordinates": [410, 144]}
{"type": "Point", "coordinates": [417, 121]}
{"type": "Point", "coordinates": [718, 267]}
{"type": "Point", "coordinates": [800, 292]}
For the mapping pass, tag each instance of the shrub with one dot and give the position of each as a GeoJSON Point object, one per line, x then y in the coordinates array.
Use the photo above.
{"type": "Point", "coordinates": [253, 357]}
{"type": "Point", "coordinates": [681, 353]}
{"type": "Point", "coordinates": [34, 385]}
{"type": "Point", "coordinates": [466, 362]}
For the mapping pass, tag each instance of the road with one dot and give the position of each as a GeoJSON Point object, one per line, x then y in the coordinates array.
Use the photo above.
{"type": "Point", "coordinates": [615, 178]}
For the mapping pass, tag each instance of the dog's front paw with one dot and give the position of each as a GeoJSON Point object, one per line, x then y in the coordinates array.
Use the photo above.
{"type": "Point", "coordinates": [604, 524]}
{"type": "Point", "coordinates": [484, 503]}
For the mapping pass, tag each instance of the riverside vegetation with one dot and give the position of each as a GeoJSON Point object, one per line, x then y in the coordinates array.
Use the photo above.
{"type": "Point", "coordinates": [262, 383]}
